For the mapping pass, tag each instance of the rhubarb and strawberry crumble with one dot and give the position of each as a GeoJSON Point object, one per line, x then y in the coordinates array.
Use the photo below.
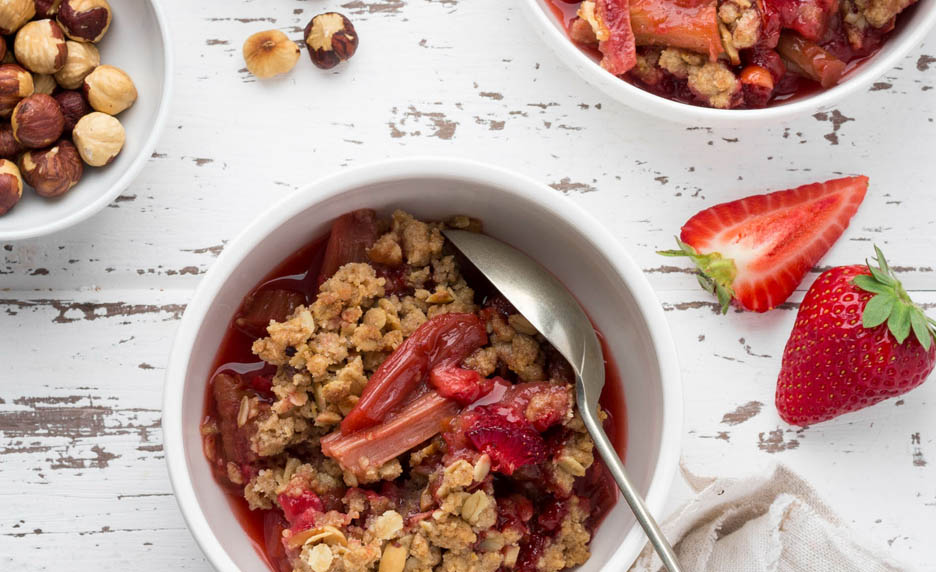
{"type": "Point", "coordinates": [378, 406]}
{"type": "Point", "coordinates": [730, 54]}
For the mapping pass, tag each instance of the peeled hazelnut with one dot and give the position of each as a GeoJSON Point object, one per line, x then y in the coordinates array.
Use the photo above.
{"type": "Point", "coordinates": [85, 20]}
{"type": "Point", "coordinates": [11, 185]}
{"type": "Point", "coordinates": [44, 83]}
{"type": "Point", "coordinates": [9, 146]}
{"type": "Point", "coordinates": [331, 39]}
{"type": "Point", "coordinates": [15, 84]}
{"type": "Point", "coordinates": [53, 171]}
{"type": "Point", "coordinates": [81, 60]}
{"type": "Point", "coordinates": [99, 138]}
{"type": "Point", "coordinates": [37, 121]}
{"type": "Point", "coordinates": [270, 53]}
{"type": "Point", "coordinates": [109, 89]}
{"type": "Point", "coordinates": [15, 13]}
{"type": "Point", "coordinates": [47, 8]}
{"type": "Point", "coordinates": [74, 107]}
{"type": "Point", "coordinates": [40, 47]}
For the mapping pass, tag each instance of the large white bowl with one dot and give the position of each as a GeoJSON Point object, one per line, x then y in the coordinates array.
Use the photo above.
{"type": "Point", "coordinates": [513, 208]}
{"type": "Point", "coordinates": [137, 42]}
{"type": "Point", "coordinates": [911, 29]}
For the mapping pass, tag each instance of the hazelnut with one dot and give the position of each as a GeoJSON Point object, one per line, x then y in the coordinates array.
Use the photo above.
{"type": "Point", "coordinates": [74, 107]}
{"type": "Point", "coordinates": [85, 20]}
{"type": "Point", "coordinates": [81, 60]}
{"type": "Point", "coordinates": [99, 138]}
{"type": "Point", "coordinates": [15, 84]}
{"type": "Point", "coordinates": [331, 39]}
{"type": "Point", "coordinates": [53, 171]}
{"type": "Point", "coordinates": [8, 57]}
{"type": "Point", "coordinates": [47, 8]}
{"type": "Point", "coordinates": [270, 53]}
{"type": "Point", "coordinates": [109, 89]}
{"type": "Point", "coordinates": [40, 47]}
{"type": "Point", "coordinates": [11, 185]}
{"type": "Point", "coordinates": [15, 13]}
{"type": "Point", "coordinates": [9, 146]}
{"type": "Point", "coordinates": [44, 83]}
{"type": "Point", "coordinates": [37, 121]}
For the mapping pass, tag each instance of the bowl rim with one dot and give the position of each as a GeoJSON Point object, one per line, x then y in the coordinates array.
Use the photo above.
{"type": "Point", "coordinates": [647, 102]}
{"type": "Point", "coordinates": [162, 117]}
{"type": "Point", "coordinates": [419, 168]}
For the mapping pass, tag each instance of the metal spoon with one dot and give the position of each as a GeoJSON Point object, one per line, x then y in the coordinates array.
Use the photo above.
{"type": "Point", "coordinates": [552, 310]}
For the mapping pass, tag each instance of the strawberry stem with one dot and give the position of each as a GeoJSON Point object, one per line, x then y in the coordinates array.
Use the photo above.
{"type": "Point", "coordinates": [716, 273]}
{"type": "Point", "coordinates": [892, 304]}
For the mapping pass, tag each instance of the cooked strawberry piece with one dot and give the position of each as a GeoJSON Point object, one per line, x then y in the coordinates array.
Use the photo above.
{"type": "Point", "coordinates": [462, 385]}
{"type": "Point", "coordinates": [295, 507]}
{"type": "Point", "coordinates": [351, 236]}
{"type": "Point", "coordinates": [809, 18]}
{"type": "Point", "coordinates": [510, 444]}
{"type": "Point", "coordinates": [514, 511]}
{"type": "Point", "coordinates": [442, 342]}
{"type": "Point", "coordinates": [418, 421]}
{"type": "Point", "coordinates": [756, 250]}
{"type": "Point", "coordinates": [857, 340]}
{"type": "Point", "coordinates": [616, 40]}
{"type": "Point", "coordinates": [265, 306]}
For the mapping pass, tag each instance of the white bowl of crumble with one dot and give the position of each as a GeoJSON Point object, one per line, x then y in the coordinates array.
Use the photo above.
{"type": "Point", "coordinates": [346, 393]}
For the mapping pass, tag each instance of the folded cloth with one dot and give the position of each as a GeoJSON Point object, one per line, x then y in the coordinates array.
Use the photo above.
{"type": "Point", "coordinates": [768, 523]}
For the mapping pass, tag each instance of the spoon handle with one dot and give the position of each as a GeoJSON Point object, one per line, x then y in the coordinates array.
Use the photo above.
{"type": "Point", "coordinates": [646, 520]}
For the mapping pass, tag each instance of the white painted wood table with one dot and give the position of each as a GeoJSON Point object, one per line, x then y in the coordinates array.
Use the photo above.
{"type": "Point", "coordinates": [87, 315]}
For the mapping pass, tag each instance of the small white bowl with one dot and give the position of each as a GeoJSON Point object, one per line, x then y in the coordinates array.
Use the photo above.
{"type": "Point", "coordinates": [909, 33]}
{"type": "Point", "coordinates": [137, 42]}
{"type": "Point", "coordinates": [513, 208]}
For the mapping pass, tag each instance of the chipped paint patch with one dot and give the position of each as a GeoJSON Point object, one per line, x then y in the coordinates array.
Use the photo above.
{"type": "Point", "coordinates": [567, 185]}
{"type": "Point", "coordinates": [440, 125]}
{"type": "Point", "coordinates": [385, 7]}
{"type": "Point", "coordinates": [774, 442]}
{"type": "Point", "coordinates": [917, 450]}
{"type": "Point", "coordinates": [742, 413]}
{"type": "Point", "coordinates": [76, 311]}
{"type": "Point", "coordinates": [837, 119]}
{"type": "Point", "coordinates": [924, 61]}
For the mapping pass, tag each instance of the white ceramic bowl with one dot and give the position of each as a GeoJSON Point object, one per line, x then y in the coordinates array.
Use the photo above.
{"type": "Point", "coordinates": [908, 35]}
{"type": "Point", "coordinates": [513, 208]}
{"type": "Point", "coordinates": [138, 42]}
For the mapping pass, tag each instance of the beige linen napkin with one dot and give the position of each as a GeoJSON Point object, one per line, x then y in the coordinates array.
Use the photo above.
{"type": "Point", "coordinates": [768, 523]}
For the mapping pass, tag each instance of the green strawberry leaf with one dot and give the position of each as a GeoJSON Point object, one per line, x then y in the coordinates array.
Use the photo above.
{"type": "Point", "coordinates": [869, 284]}
{"type": "Point", "coordinates": [899, 322]}
{"type": "Point", "coordinates": [882, 261]}
{"type": "Point", "coordinates": [881, 277]}
{"type": "Point", "coordinates": [920, 329]}
{"type": "Point", "coordinates": [878, 310]}
{"type": "Point", "coordinates": [716, 273]}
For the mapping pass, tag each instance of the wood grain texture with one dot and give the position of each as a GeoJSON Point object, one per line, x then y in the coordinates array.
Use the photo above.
{"type": "Point", "coordinates": [87, 315]}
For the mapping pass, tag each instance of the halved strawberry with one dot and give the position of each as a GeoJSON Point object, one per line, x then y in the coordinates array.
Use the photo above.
{"type": "Point", "coordinates": [756, 250]}
{"type": "Point", "coordinates": [510, 444]}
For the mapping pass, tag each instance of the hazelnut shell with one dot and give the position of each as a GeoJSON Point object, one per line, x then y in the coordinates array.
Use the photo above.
{"type": "Point", "coordinates": [40, 47]}
{"type": "Point", "coordinates": [99, 138]}
{"type": "Point", "coordinates": [37, 121]}
{"type": "Point", "coordinates": [85, 20]}
{"type": "Point", "coordinates": [109, 89]}
{"type": "Point", "coordinates": [15, 13]}
{"type": "Point", "coordinates": [331, 39]}
{"type": "Point", "coordinates": [54, 171]}
{"type": "Point", "coordinates": [11, 185]}
{"type": "Point", "coordinates": [15, 84]}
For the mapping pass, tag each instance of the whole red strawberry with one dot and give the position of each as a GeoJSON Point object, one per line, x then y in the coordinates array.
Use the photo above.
{"type": "Point", "coordinates": [851, 346]}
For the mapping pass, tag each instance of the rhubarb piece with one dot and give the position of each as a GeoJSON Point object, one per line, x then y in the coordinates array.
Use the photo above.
{"type": "Point", "coordinates": [688, 24]}
{"type": "Point", "coordinates": [809, 18]}
{"type": "Point", "coordinates": [352, 234]}
{"type": "Point", "coordinates": [265, 306]}
{"type": "Point", "coordinates": [615, 37]}
{"type": "Point", "coordinates": [442, 342]}
{"type": "Point", "coordinates": [423, 418]}
{"type": "Point", "coordinates": [229, 392]}
{"type": "Point", "coordinates": [811, 60]}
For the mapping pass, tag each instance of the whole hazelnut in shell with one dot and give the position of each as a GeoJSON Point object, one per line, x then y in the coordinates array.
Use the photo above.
{"type": "Point", "coordinates": [15, 13]}
{"type": "Point", "coordinates": [99, 138]}
{"type": "Point", "coordinates": [74, 107]}
{"type": "Point", "coordinates": [270, 53]}
{"type": "Point", "coordinates": [10, 148]}
{"type": "Point", "coordinates": [85, 20]}
{"type": "Point", "coordinates": [15, 84]}
{"type": "Point", "coordinates": [81, 60]}
{"type": "Point", "coordinates": [40, 47]}
{"type": "Point", "coordinates": [47, 8]}
{"type": "Point", "coordinates": [331, 39]}
{"type": "Point", "coordinates": [54, 171]}
{"type": "Point", "coordinates": [11, 185]}
{"type": "Point", "coordinates": [37, 121]}
{"type": "Point", "coordinates": [109, 89]}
